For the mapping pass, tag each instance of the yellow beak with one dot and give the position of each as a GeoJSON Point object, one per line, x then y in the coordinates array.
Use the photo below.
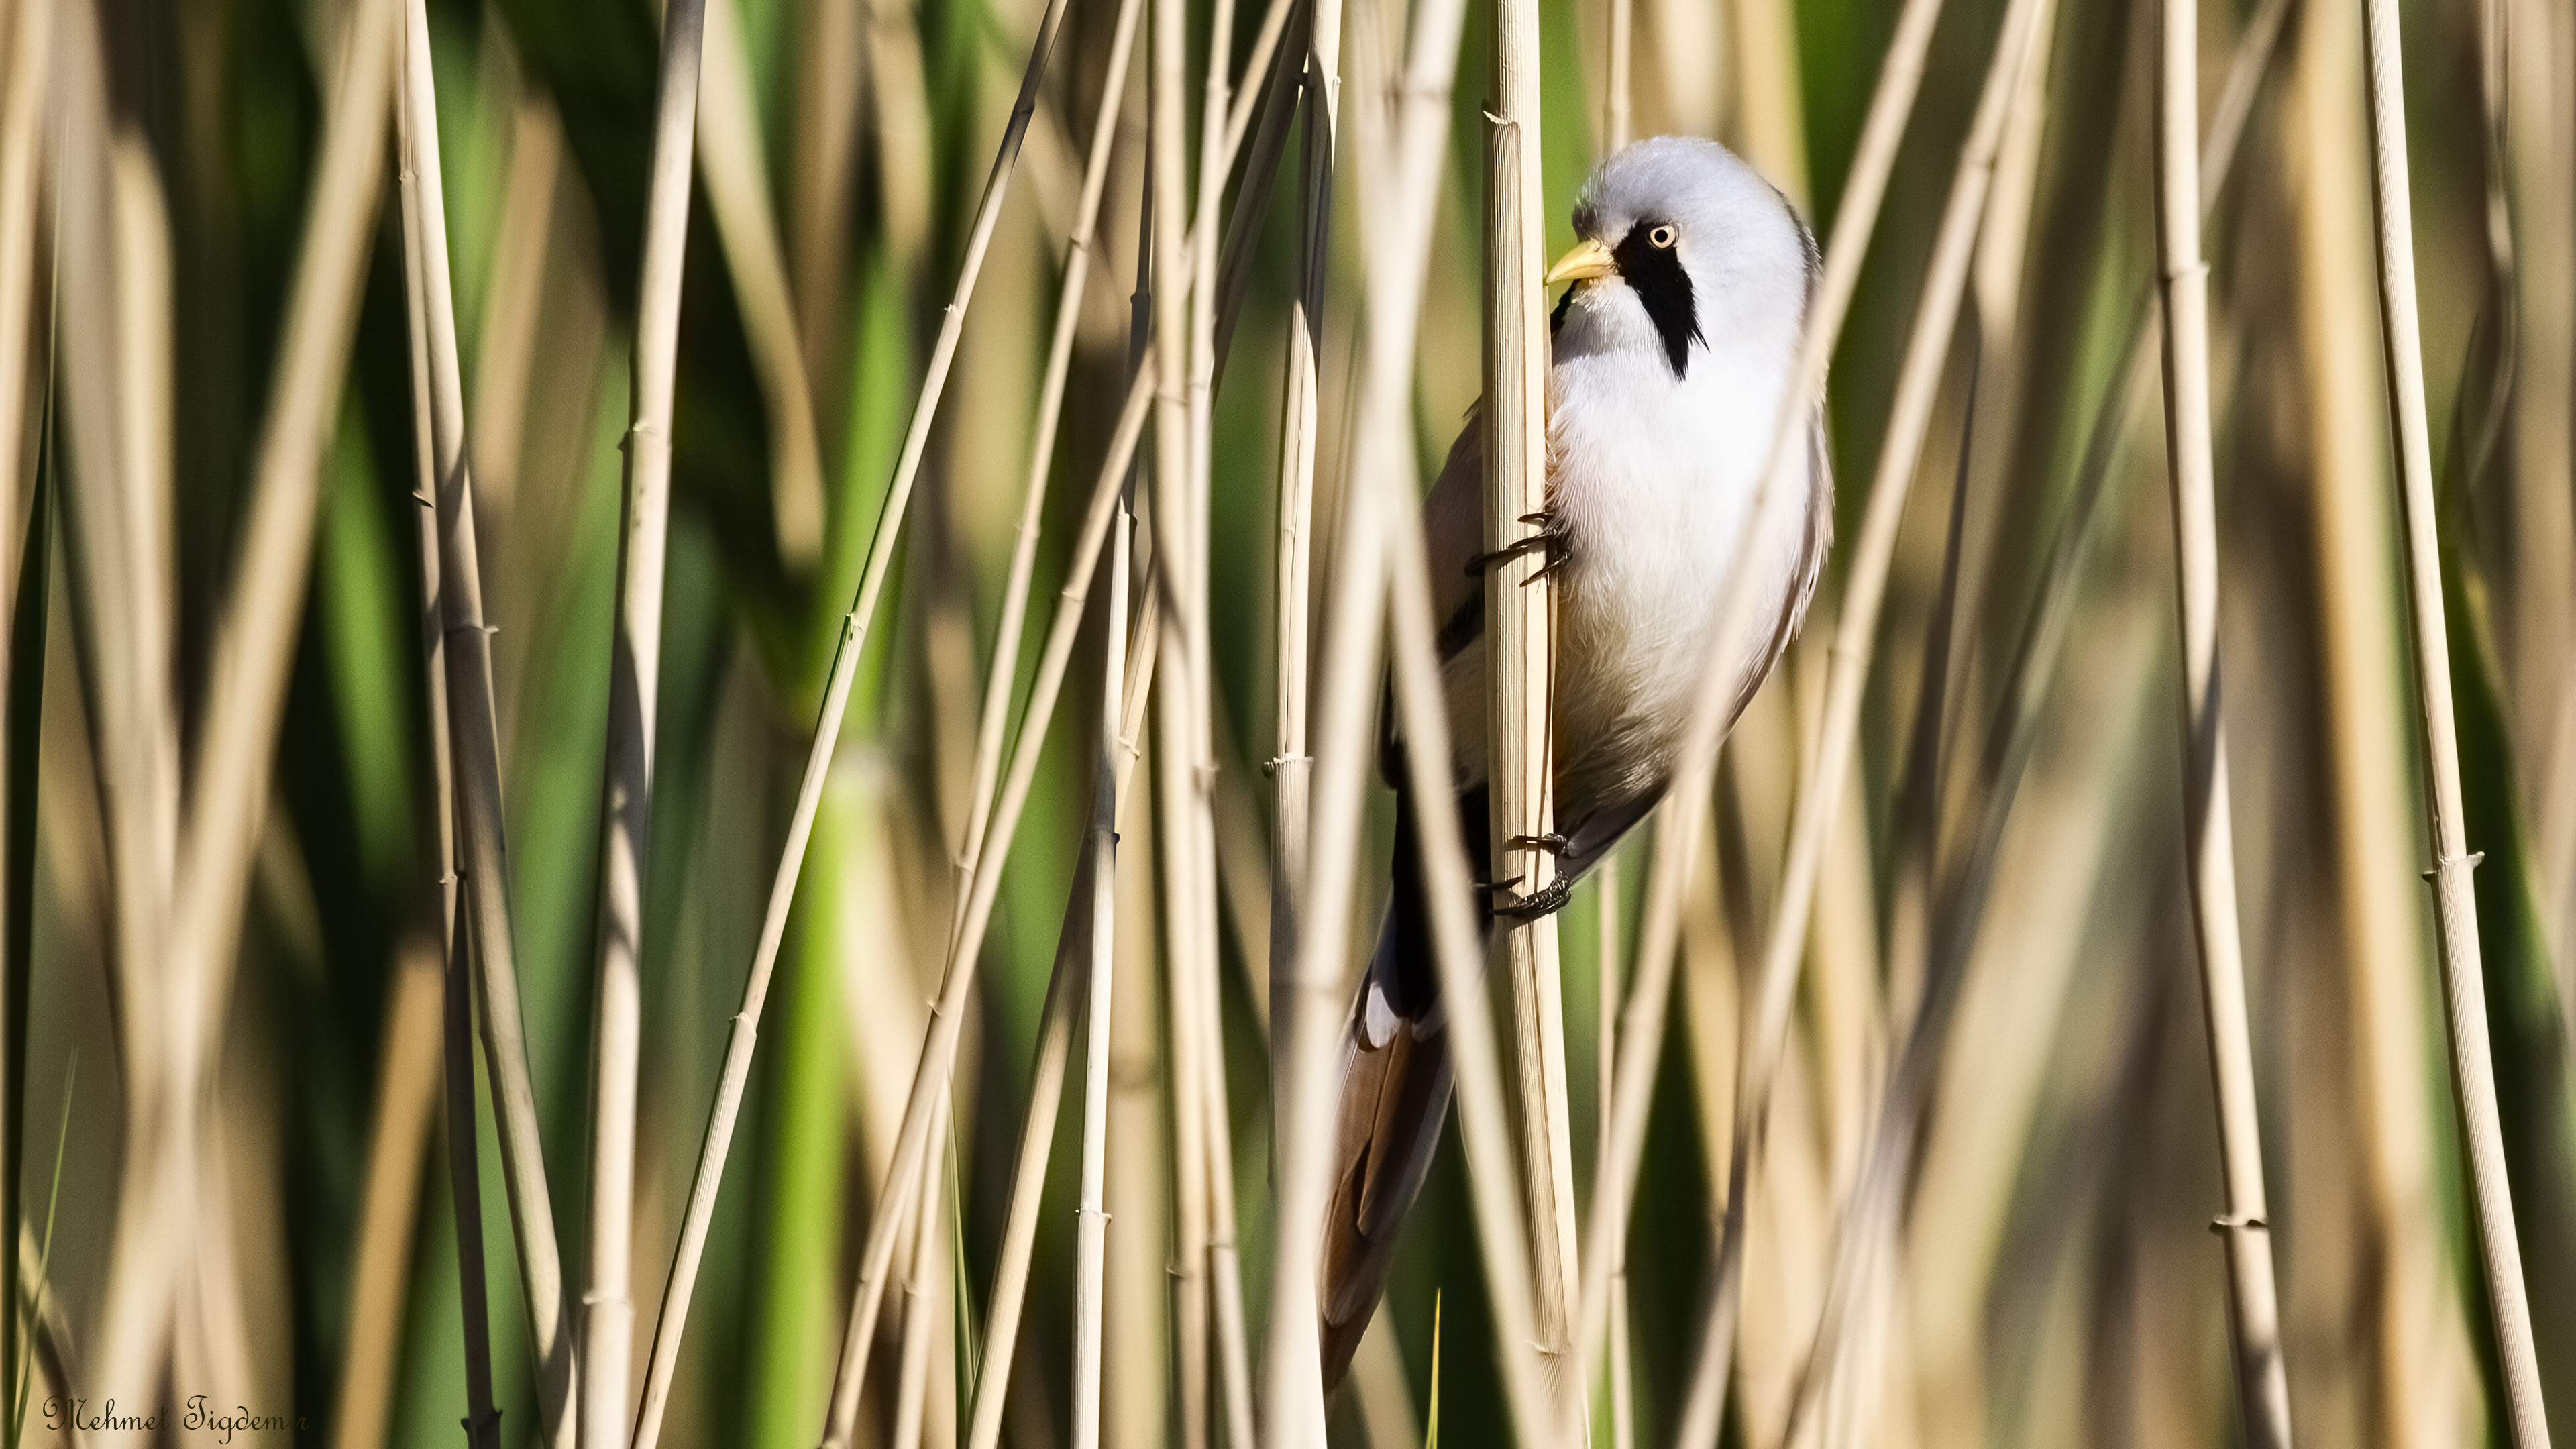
{"type": "Point", "coordinates": [1587, 259]}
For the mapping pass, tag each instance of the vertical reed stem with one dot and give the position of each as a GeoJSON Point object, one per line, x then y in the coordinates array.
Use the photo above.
{"type": "Point", "coordinates": [635, 666]}
{"type": "Point", "coordinates": [1091, 1243]}
{"type": "Point", "coordinates": [480, 853]}
{"type": "Point", "coordinates": [2455, 906]}
{"type": "Point", "coordinates": [1292, 769]}
{"type": "Point", "coordinates": [2254, 1315]}
{"type": "Point", "coordinates": [1520, 766]}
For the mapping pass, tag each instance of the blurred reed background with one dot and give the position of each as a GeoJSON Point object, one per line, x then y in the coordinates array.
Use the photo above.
{"type": "Point", "coordinates": [263, 742]}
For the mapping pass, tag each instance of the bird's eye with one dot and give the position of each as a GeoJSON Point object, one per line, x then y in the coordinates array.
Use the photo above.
{"type": "Point", "coordinates": [1664, 236]}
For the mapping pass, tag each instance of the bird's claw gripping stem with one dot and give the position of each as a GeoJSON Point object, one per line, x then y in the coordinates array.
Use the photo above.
{"type": "Point", "coordinates": [1547, 900]}
{"type": "Point", "coordinates": [1546, 541]}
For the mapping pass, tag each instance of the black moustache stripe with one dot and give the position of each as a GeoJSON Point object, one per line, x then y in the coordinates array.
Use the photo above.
{"type": "Point", "coordinates": [1655, 274]}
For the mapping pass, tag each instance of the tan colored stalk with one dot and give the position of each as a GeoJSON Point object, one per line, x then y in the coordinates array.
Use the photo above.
{"type": "Point", "coordinates": [634, 692]}
{"type": "Point", "coordinates": [1004, 668]}
{"type": "Point", "coordinates": [1928, 349]}
{"type": "Point", "coordinates": [1176, 748]}
{"type": "Point", "coordinates": [2254, 1316]}
{"type": "Point", "coordinates": [1618, 125]}
{"type": "Point", "coordinates": [1623, 1408]}
{"type": "Point", "coordinates": [850, 643]}
{"type": "Point", "coordinates": [925, 1292]}
{"type": "Point", "coordinates": [1483, 1119]}
{"type": "Point", "coordinates": [2419, 1319]}
{"type": "Point", "coordinates": [737, 181]}
{"type": "Point", "coordinates": [1520, 708]}
{"type": "Point", "coordinates": [2455, 906]}
{"type": "Point", "coordinates": [29, 44]}
{"type": "Point", "coordinates": [1769, 110]}
{"type": "Point", "coordinates": [1091, 1241]}
{"type": "Point", "coordinates": [1292, 769]}
{"type": "Point", "coordinates": [822, 154]}
{"type": "Point", "coordinates": [205, 877]}
{"type": "Point", "coordinates": [406, 1092]}
{"type": "Point", "coordinates": [938, 1053]}
{"type": "Point", "coordinates": [481, 856]}
{"type": "Point", "coordinates": [1067, 985]}
{"type": "Point", "coordinates": [1305, 1024]}
{"type": "Point", "coordinates": [482, 1418]}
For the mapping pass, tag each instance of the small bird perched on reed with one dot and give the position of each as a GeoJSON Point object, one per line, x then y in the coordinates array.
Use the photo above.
{"type": "Point", "coordinates": [1671, 354]}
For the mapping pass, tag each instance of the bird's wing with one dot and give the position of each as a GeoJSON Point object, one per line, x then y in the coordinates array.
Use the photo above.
{"type": "Point", "coordinates": [1453, 532]}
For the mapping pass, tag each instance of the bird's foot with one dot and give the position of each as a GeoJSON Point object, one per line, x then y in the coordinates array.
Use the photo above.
{"type": "Point", "coordinates": [1552, 843]}
{"type": "Point", "coordinates": [1546, 540]}
{"type": "Point", "coordinates": [1545, 901]}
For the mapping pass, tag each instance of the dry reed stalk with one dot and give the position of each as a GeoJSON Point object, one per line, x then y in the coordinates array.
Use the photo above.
{"type": "Point", "coordinates": [925, 1292]}
{"type": "Point", "coordinates": [1618, 125]}
{"type": "Point", "coordinates": [2463, 973]}
{"type": "Point", "coordinates": [1004, 666]}
{"type": "Point", "coordinates": [1769, 109]}
{"type": "Point", "coordinates": [471, 727]}
{"type": "Point", "coordinates": [30, 40]}
{"type": "Point", "coordinates": [2540, 57]}
{"type": "Point", "coordinates": [737, 179]}
{"type": "Point", "coordinates": [2254, 1316]}
{"type": "Point", "coordinates": [849, 644]}
{"type": "Point", "coordinates": [1091, 1241]}
{"type": "Point", "coordinates": [1483, 1117]}
{"type": "Point", "coordinates": [1521, 703]}
{"type": "Point", "coordinates": [2419, 1324]}
{"type": "Point", "coordinates": [482, 1419]}
{"type": "Point", "coordinates": [1176, 749]}
{"type": "Point", "coordinates": [1623, 1408]}
{"type": "Point", "coordinates": [1067, 984]}
{"type": "Point", "coordinates": [1899, 77]}
{"type": "Point", "coordinates": [407, 1079]}
{"type": "Point", "coordinates": [634, 692]}
{"type": "Point", "coordinates": [938, 1052]}
{"type": "Point", "coordinates": [1401, 197]}
{"type": "Point", "coordinates": [1177, 838]}
{"type": "Point", "coordinates": [1292, 768]}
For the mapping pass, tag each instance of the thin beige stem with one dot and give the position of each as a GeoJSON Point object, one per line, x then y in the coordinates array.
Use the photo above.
{"type": "Point", "coordinates": [1522, 680]}
{"type": "Point", "coordinates": [1618, 124]}
{"type": "Point", "coordinates": [30, 39]}
{"type": "Point", "coordinates": [938, 1054]}
{"type": "Point", "coordinates": [1641, 1029]}
{"type": "Point", "coordinates": [474, 748]}
{"type": "Point", "coordinates": [1306, 1021]}
{"type": "Point", "coordinates": [2455, 905]}
{"type": "Point", "coordinates": [634, 689]}
{"type": "Point", "coordinates": [1091, 1240]}
{"type": "Point", "coordinates": [1067, 985]}
{"type": "Point", "coordinates": [1292, 769]}
{"type": "Point", "coordinates": [1005, 664]}
{"type": "Point", "coordinates": [1623, 1408]}
{"type": "Point", "coordinates": [2254, 1317]}
{"type": "Point", "coordinates": [849, 644]}
{"type": "Point", "coordinates": [925, 1291]}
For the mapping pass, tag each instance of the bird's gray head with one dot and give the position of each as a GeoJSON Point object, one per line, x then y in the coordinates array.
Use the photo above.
{"type": "Point", "coordinates": [1682, 247]}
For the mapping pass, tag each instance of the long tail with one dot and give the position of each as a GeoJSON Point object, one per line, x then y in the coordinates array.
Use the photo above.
{"type": "Point", "coordinates": [1394, 1100]}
